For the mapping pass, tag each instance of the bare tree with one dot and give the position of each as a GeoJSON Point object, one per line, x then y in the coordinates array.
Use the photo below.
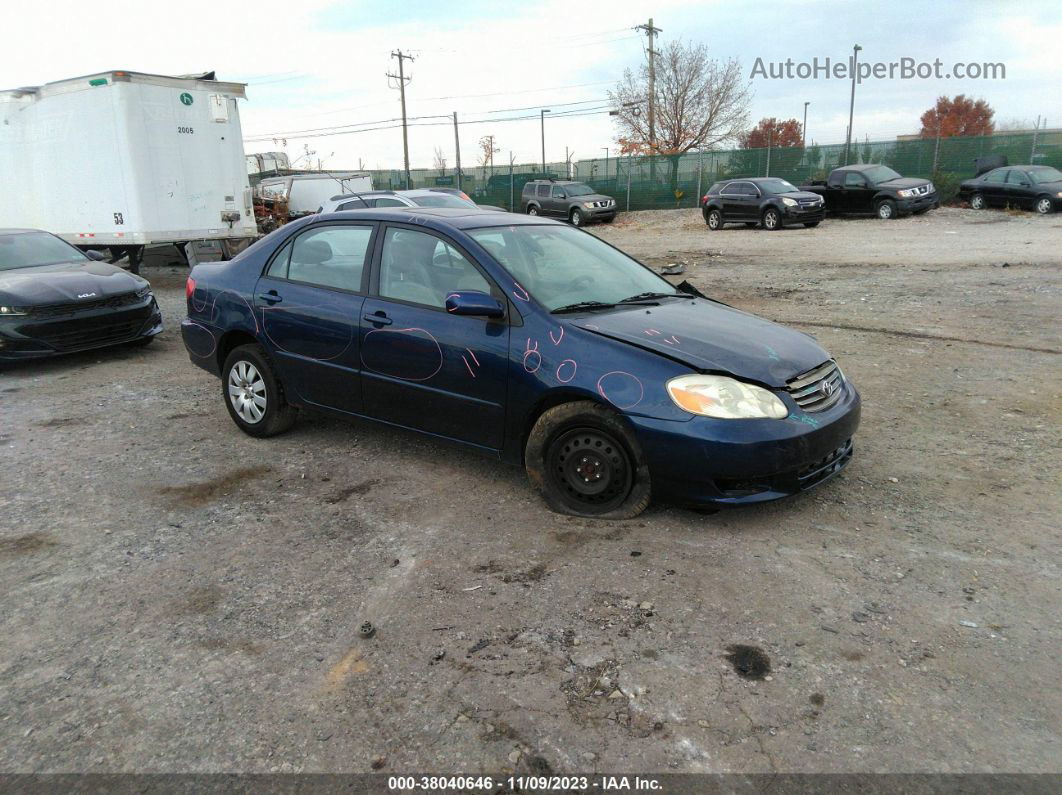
{"type": "Point", "coordinates": [699, 102]}
{"type": "Point", "coordinates": [440, 161]}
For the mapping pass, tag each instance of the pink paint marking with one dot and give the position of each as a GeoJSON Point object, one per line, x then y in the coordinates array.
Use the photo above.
{"type": "Point", "coordinates": [652, 332]}
{"type": "Point", "coordinates": [538, 361]}
{"type": "Point", "coordinates": [574, 367]}
{"type": "Point", "coordinates": [520, 294]}
{"type": "Point", "coordinates": [473, 355]}
{"type": "Point", "coordinates": [463, 359]}
{"type": "Point", "coordinates": [557, 340]}
{"type": "Point", "coordinates": [672, 340]}
{"type": "Point", "coordinates": [601, 388]}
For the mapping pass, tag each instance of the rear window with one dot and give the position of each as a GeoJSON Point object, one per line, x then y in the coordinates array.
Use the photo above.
{"type": "Point", "coordinates": [715, 188]}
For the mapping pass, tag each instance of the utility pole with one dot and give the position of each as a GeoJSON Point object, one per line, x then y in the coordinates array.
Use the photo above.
{"type": "Point", "coordinates": [457, 151]}
{"type": "Point", "coordinates": [851, 105]}
{"type": "Point", "coordinates": [1036, 134]}
{"type": "Point", "coordinates": [651, 32]}
{"type": "Point", "coordinates": [804, 129]}
{"type": "Point", "coordinates": [606, 162]}
{"type": "Point", "coordinates": [542, 119]}
{"type": "Point", "coordinates": [769, 132]}
{"type": "Point", "coordinates": [402, 80]}
{"type": "Point", "coordinates": [492, 151]}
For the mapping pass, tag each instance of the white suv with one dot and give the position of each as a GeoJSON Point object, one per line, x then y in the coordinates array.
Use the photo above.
{"type": "Point", "coordinates": [407, 198]}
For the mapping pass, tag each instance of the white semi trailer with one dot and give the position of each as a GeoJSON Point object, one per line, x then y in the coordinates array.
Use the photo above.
{"type": "Point", "coordinates": [123, 160]}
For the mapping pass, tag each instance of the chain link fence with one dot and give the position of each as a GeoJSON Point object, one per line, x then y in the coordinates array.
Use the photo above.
{"type": "Point", "coordinates": [673, 181]}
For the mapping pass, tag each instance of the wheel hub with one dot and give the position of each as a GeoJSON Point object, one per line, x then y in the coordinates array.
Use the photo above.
{"type": "Point", "coordinates": [590, 467]}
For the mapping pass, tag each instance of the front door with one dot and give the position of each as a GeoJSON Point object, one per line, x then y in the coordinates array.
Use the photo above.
{"type": "Point", "coordinates": [557, 202]}
{"type": "Point", "coordinates": [310, 301]}
{"type": "Point", "coordinates": [858, 195]}
{"type": "Point", "coordinates": [422, 367]}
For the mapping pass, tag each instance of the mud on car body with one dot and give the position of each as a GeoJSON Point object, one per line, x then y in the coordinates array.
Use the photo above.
{"type": "Point", "coordinates": [530, 341]}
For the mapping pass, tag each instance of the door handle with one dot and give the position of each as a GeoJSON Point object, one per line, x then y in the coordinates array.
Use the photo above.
{"type": "Point", "coordinates": [379, 318]}
{"type": "Point", "coordinates": [272, 297]}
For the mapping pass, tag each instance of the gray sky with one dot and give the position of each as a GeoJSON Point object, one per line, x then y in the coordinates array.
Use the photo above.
{"type": "Point", "coordinates": [319, 64]}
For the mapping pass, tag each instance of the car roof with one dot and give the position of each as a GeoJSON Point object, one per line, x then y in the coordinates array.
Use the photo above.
{"type": "Point", "coordinates": [444, 217]}
{"type": "Point", "coordinates": [22, 231]}
{"type": "Point", "coordinates": [857, 167]}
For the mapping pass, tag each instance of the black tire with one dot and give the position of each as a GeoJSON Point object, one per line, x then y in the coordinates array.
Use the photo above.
{"type": "Point", "coordinates": [611, 481]}
{"type": "Point", "coordinates": [977, 202]}
{"type": "Point", "coordinates": [278, 416]}
{"type": "Point", "coordinates": [772, 219]}
{"type": "Point", "coordinates": [885, 209]}
{"type": "Point", "coordinates": [714, 219]}
{"type": "Point", "coordinates": [812, 224]}
{"type": "Point", "coordinates": [532, 209]}
{"type": "Point", "coordinates": [576, 217]}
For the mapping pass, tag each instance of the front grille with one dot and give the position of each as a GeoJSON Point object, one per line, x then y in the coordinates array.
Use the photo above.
{"type": "Point", "coordinates": [604, 203]}
{"type": "Point", "coordinates": [90, 332]}
{"type": "Point", "coordinates": [818, 389]}
{"type": "Point", "coordinates": [58, 310]}
{"type": "Point", "coordinates": [818, 471]}
{"type": "Point", "coordinates": [810, 202]}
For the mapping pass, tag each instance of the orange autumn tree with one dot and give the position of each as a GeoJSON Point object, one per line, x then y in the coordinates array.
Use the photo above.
{"type": "Point", "coordinates": [774, 132]}
{"type": "Point", "coordinates": [958, 116]}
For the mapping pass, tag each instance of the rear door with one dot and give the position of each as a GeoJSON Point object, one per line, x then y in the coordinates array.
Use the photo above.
{"type": "Point", "coordinates": [1019, 189]}
{"type": "Point", "coordinates": [424, 368]}
{"type": "Point", "coordinates": [858, 195]}
{"type": "Point", "coordinates": [310, 300]}
{"type": "Point", "coordinates": [994, 186]}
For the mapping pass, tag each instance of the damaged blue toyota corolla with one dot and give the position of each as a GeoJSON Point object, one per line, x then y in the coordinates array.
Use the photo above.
{"type": "Point", "coordinates": [530, 340]}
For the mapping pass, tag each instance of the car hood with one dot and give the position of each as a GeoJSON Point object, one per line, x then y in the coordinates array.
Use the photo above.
{"type": "Point", "coordinates": [65, 283]}
{"type": "Point", "coordinates": [904, 182]}
{"type": "Point", "coordinates": [591, 197]}
{"type": "Point", "coordinates": [712, 337]}
{"type": "Point", "coordinates": [1050, 187]}
{"type": "Point", "coordinates": [800, 194]}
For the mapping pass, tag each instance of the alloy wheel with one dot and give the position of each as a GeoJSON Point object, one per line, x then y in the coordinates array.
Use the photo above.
{"type": "Point", "coordinates": [1043, 206]}
{"type": "Point", "coordinates": [977, 201]}
{"type": "Point", "coordinates": [247, 392]}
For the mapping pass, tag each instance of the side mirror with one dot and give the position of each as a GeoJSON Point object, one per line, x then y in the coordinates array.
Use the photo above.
{"type": "Point", "coordinates": [474, 304]}
{"type": "Point", "coordinates": [95, 256]}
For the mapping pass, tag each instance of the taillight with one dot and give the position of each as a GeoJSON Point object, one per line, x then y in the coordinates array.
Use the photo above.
{"type": "Point", "coordinates": [189, 288]}
{"type": "Point", "coordinates": [704, 198]}
{"type": "Point", "coordinates": [465, 196]}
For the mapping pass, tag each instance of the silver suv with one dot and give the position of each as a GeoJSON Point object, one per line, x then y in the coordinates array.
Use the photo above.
{"type": "Point", "coordinates": [576, 202]}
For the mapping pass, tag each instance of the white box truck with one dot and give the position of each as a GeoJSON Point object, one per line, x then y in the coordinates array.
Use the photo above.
{"type": "Point", "coordinates": [122, 160]}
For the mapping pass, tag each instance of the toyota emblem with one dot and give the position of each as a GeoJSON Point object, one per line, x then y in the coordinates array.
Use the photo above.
{"type": "Point", "coordinates": [827, 388]}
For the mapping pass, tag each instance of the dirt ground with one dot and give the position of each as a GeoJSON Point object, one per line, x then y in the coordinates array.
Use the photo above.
{"type": "Point", "coordinates": [181, 597]}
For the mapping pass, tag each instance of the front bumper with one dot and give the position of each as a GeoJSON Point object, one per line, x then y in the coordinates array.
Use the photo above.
{"type": "Point", "coordinates": [706, 462]}
{"type": "Point", "coordinates": [804, 215]}
{"type": "Point", "coordinates": [34, 337]}
{"type": "Point", "coordinates": [926, 202]}
{"type": "Point", "coordinates": [599, 213]}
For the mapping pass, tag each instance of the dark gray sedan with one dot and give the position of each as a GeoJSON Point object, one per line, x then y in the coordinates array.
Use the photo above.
{"type": "Point", "coordinates": [56, 299]}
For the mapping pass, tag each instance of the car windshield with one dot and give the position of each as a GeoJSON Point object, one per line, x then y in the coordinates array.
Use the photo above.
{"type": "Point", "coordinates": [442, 200]}
{"type": "Point", "coordinates": [578, 189]}
{"type": "Point", "coordinates": [560, 266]}
{"type": "Point", "coordinates": [27, 249]}
{"type": "Point", "coordinates": [1042, 174]}
{"type": "Point", "coordinates": [878, 174]}
{"type": "Point", "coordinates": [777, 186]}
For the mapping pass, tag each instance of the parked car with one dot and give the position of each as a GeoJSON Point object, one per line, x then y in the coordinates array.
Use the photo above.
{"type": "Point", "coordinates": [529, 341]}
{"type": "Point", "coordinates": [769, 201]}
{"type": "Point", "coordinates": [874, 189]}
{"type": "Point", "coordinates": [1029, 187]}
{"type": "Point", "coordinates": [55, 299]}
{"type": "Point", "coordinates": [467, 198]}
{"type": "Point", "coordinates": [575, 201]}
{"type": "Point", "coordinates": [420, 197]}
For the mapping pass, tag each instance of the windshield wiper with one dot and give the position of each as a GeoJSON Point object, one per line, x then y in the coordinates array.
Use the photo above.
{"type": "Point", "coordinates": [649, 296]}
{"type": "Point", "coordinates": [579, 306]}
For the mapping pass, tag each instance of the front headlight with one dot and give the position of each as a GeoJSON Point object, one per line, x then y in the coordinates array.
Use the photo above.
{"type": "Point", "coordinates": [789, 202]}
{"type": "Point", "coordinates": [13, 310]}
{"type": "Point", "coordinates": [930, 188]}
{"type": "Point", "coordinates": [905, 194]}
{"type": "Point", "coordinates": [724, 398]}
{"type": "Point", "coordinates": [588, 205]}
{"type": "Point", "coordinates": [1059, 194]}
{"type": "Point", "coordinates": [143, 292]}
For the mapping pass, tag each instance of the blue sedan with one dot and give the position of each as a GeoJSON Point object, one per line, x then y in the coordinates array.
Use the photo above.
{"type": "Point", "coordinates": [528, 340]}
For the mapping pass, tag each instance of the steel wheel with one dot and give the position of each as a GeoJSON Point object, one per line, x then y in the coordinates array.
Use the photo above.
{"type": "Point", "coordinates": [977, 201]}
{"type": "Point", "coordinates": [591, 468]}
{"type": "Point", "coordinates": [247, 392]}
{"type": "Point", "coordinates": [1043, 206]}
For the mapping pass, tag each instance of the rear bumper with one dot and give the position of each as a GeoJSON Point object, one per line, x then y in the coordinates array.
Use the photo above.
{"type": "Point", "coordinates": [200, 340]}
{"type": "Point", "coordinates": [26, 337]}
{"type": "Point", "coordinates": [705, 462]}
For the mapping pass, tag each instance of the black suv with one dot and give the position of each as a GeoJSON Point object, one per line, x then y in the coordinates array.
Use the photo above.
{"type": "Point", "coordinates": [760, 200]}
{"type": "Point", "coordinates": [575, 201]}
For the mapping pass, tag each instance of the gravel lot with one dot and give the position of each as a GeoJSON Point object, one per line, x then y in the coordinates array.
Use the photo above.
{"type": "Point", "coordinates": [181, 597]}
